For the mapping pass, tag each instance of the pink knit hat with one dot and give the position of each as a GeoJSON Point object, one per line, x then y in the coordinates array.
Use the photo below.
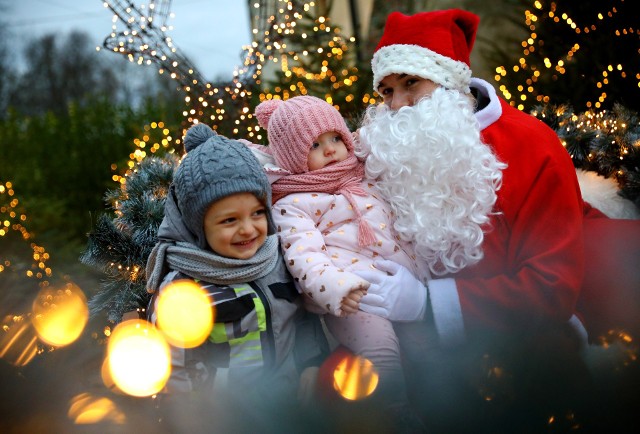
{"type": "Point", "coordinates": [434, 45]}
{"type": "Point", "coordinates": [293, 125]}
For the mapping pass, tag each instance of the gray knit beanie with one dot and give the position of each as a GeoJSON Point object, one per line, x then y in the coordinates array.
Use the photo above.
{"type": "Point", "coordinates": [213, 168]}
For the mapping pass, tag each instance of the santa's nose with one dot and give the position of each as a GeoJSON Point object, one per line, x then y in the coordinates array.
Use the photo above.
{"type": "Point", "coordinates": [400, 99]}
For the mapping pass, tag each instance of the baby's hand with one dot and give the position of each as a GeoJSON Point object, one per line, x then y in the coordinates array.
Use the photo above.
{"type": "Point", "coordinates": [351, 302]}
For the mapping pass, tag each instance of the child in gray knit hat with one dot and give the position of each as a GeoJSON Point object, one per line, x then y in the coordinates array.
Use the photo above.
{"type": "Point", "coordinates": [218, 231]}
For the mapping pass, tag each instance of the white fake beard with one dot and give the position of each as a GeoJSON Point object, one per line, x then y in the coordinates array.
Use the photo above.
{"type": "Point", "coordinates": [436, 173]}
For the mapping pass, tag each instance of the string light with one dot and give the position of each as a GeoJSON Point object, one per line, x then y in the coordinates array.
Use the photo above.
{"type": "Point", "coordinates": [156, 140]}
{"type": "Point", "coordinates": [227, 106]}
{"type": "Point", "coordinates": [12, 219]}
{"type": "Point", "coordinates": [528, 91]}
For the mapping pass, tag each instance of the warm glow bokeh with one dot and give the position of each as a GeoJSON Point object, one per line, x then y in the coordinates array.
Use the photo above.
{"type": "Point", "coordinates": [86, 409]}
{"type": "Point", "coordinates": [139, 358]}
{"type": "Point", "coordinates": [355, 378]}
{"type": "Point", "coordinates": [18, 340]}
{"type": "Point", "coordinates": [185, 314]}
{"type": "Point", "coordinates": [60, 315]}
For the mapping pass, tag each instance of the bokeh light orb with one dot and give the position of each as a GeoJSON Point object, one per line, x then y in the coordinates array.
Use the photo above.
{"type": "Point", "coordinates": [18, 340]}
{"type": "Point", "coordinates": [60, 315]}
{"type": "Point", "coordinates": [355, 378]}
{"type": "Point", "coordinates": [139, 358]}
{"type": "Point", "coordinates": [185, 314]}
{"type": "Point", "coordinates": [86, 409]}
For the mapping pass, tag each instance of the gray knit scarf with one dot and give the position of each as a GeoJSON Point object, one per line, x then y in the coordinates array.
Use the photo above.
{"type": "Point", "coordinates": [178, 250]}
{"type": "Point", "coordinates": [205, 265]}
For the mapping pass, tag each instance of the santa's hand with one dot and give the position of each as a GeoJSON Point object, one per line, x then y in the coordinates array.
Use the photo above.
{"type": "Point", "coordinates": [396, 295]}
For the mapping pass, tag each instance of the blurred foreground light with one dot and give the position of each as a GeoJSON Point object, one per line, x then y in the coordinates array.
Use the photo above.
{"type": "Point", "coordinates": [85, 409]}
{"type": "Point", "coordinates": [18, 340]}
{"type": "Point", "coordinates": [107, 379]}
{"type": "Point", "coordinates": [139, 358]}
{"type": "Point", "coordinates": [60, 315]}
{"type": "Point", "coordinates": [185, 314]}
{"type": "Point", "coordinates": [355, 378]}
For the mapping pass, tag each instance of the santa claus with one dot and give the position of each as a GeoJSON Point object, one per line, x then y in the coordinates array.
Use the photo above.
{"type": "Point", "coordinates": [487, 193]}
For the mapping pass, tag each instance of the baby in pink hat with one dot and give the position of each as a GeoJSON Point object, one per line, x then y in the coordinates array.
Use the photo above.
{"type": "Point", "coordinates": [336, 233]}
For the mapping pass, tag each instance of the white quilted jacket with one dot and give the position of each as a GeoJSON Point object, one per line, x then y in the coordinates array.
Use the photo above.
{"type": "Point", "coordinates": [319, 238]}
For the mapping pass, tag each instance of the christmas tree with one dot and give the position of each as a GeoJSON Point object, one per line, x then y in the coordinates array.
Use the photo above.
{"type": "Point", "coordinates": [576, 73]}
{"type": "Point", "coordinates": [120, 243]}
{"type": "Point", "coordinates": [605, 142]}
{"type": "Point", "coordinates": [317, 60]}
{"type": "Point", "coordinates": [576, 53]}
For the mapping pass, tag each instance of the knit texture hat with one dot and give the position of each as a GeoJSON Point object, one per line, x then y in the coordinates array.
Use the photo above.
{"type": "Point", "coordinates": [433, 45]}
{"type": "Point", "coordinates": [213, 168]}
{"type": "Point", "coordinates": [293, 125]}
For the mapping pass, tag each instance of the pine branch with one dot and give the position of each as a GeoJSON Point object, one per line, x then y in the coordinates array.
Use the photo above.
{"type": "Point", "coordinates": [607, 142]}
{"type": "Point", "coordinates": [121, 241]}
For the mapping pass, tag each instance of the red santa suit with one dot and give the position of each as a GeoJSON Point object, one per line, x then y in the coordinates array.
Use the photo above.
{"type": "Point", "coordinates": [533, 269]}
{"type": "Point", "coordinates": [533, 249]}
{"type": "Point", "coordinates": [548, 254]}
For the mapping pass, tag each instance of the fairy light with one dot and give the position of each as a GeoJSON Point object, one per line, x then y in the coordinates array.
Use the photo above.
{"type": "Point", "coordinates": [557, 67]}
{"type": "Point", "coordinates": [156, 139]}
{"type": "Point", "coordinates": [296, 69]}
{"type": "Point", "coordinates": [609, 126]}
{"type": "Point", "coordinates": [12, 219]}
{"type": "Point", "coordinates": [227, 105]}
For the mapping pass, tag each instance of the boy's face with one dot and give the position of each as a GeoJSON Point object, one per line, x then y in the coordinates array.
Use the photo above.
{"type": "Point", "coordinates": [236, 226]}
{"type": "Point", "coordinates": [327, 149]}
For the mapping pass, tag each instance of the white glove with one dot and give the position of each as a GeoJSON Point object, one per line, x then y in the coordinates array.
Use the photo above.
{"type": "Point", "coordinates": [397, 297]}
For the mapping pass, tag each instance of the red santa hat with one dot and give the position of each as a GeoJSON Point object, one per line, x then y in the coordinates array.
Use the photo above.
{"type": "Point", "coordinates": [433, 45]}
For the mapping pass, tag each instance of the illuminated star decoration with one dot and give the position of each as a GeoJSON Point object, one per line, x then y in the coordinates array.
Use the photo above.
{"type": "Point", "coordinates": [145, 41]}
{"type": "Point", "coordinates": [227, 107]}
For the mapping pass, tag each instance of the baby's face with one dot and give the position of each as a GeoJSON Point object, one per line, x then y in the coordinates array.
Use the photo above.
{"type": "Point", "coordinates": [236, 226]}
{"type": "Point", "coordinates": [327, 149]}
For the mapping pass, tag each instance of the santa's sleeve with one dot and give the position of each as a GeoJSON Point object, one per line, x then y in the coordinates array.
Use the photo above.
{"type": "Point", "coordinates": [534, 254]}
{"type": "Point", "coordinates": [308, 259]}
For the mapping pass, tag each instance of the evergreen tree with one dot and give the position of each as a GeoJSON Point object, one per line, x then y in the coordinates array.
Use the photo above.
{"type": "Point", "coordinates": [120, 243]}
{"type": "Point", "coordinates": [605, 143]}
{"type": "Point", "coordinates": [315, 59]}
{"type": "Point", "coordinates": [579, 53]}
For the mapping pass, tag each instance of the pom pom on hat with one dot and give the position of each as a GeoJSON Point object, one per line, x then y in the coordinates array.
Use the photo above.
{"type": "Point", "coordinates": [212, 170]}
{"type": "Point", "coordinates": [293, 125]}
{"type": "Point", "coordinates": [433, 45]}
{"type": "Point", "coordinates": [197, 135]}
{"type": "Point", "coordinates": [265, 109]}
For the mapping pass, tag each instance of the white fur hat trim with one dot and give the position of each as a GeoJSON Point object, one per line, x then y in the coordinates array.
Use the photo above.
{"type": "Point", "coordinates": [420, 61]}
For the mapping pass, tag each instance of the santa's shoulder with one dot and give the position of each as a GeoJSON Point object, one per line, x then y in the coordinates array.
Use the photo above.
{"type": "Point", "coordinates": [519, 133]}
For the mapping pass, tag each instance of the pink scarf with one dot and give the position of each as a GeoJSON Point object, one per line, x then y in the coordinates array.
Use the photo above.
{"type": "Point", "coordinates": [339, 178]}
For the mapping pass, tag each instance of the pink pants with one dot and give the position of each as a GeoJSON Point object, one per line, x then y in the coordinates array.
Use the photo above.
{"type": "Point", "coordinates": [374, 338]}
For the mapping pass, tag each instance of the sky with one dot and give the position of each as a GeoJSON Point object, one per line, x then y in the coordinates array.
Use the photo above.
{"type": "Point", "coordinates": [210, 33]}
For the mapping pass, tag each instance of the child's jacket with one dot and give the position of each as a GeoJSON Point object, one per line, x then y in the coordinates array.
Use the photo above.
{"type": "Point", "coordinates": [261, 334]}
{"type": "Point", "coordinates": [319, 238]}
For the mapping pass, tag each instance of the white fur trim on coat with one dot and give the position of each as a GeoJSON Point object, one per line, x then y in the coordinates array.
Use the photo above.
{"type": "Point", "coordinates": [492, 112]}
{"type": "Point", "coordinates": [447, 311]}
